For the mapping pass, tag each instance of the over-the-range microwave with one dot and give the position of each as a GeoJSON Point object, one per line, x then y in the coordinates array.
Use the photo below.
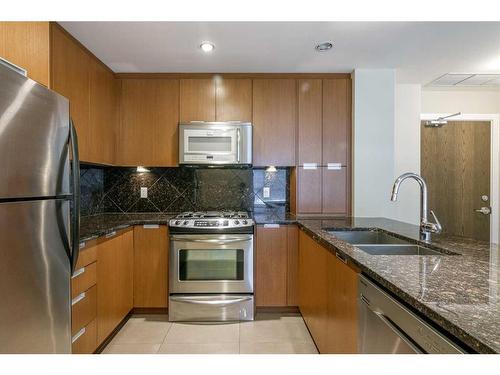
{"type": "Point", "coordinates": [215, 143]}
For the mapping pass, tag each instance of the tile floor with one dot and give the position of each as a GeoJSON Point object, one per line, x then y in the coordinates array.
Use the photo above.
{"type": "Point", "coordinates": [270, 333]}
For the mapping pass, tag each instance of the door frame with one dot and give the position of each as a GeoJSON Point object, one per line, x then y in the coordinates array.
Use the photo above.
{"type": "Point", "coordinates": [494, 120]}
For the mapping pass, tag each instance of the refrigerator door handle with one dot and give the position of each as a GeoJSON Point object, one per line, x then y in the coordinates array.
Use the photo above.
{"type": "Point", "coordinates": [75, 213]}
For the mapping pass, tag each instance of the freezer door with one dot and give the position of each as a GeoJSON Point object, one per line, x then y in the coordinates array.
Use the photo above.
{"type": "Point", "coordinates": [34, 129]}
{"type": "Point", "coordinates": [35, 313]}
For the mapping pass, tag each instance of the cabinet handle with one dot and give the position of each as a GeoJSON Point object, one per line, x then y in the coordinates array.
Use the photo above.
{"type": "Point", "coordinates": [271, 226]}
{"type": "Point", "coordinates": [79, 334]}
{"type": "Point", "coordinates": [344, 260]}
{"type": "Point", "coordinates": [307, 166]}
{"type": "Point", "coordinates": [151, 226]}
{"type": "Point", "coordinates": [82, 245]}
{"type": "Point", "coordinates": [111, 234]}
{"type": "Point", "coordinates": [334, 166]}
{"type": "Point", "coordinates": [78, 272]}
{"type": "Point", "coordinates": [77, 299]}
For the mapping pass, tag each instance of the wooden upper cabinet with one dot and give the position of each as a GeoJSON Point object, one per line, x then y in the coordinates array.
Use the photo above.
{"type": "Point", "coordinates": [197, 100]}
{"type": "Point", "coordinates": [274, 120]}
{"type": "Point", "coordinates": [103, 113]}
{"type": "Point", "coordinates": [271, 266]}
{"type": "Point", "coordinates": [26, 44]}
{"type": "Point", "coordinates": [149, 117]}
{"type": "Point", "coordinates": [150, 266]}
{"type": "Point", "coordinates": [233, 99]}
{"type": "Point", "coordinates": [336, 121]}
{"type": "Point", "coordinates": [70, 68]}
{"type": "Point", "coordinates": [310, 106]}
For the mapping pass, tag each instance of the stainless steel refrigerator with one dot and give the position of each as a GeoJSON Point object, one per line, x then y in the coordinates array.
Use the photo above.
{"type": "Point", "coordinates": [39, 216]}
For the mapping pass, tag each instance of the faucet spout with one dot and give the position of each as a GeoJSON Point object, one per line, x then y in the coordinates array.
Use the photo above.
{"type": "Point", "coordinates": [426, 228]}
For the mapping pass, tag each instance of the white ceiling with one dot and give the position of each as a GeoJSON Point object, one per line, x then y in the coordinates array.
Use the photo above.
{"type": "Point", "coordinates": [420, 51]}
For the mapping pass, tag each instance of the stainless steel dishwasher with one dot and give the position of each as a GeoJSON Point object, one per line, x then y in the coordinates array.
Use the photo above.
{"type": "Point", "coordinates": [386, 326]}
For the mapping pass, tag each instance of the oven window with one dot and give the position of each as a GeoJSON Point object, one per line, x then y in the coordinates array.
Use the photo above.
{"type": "Point", "coordinates": [210, 264]}
{"type": "Point", "coordinates": [209, 144]}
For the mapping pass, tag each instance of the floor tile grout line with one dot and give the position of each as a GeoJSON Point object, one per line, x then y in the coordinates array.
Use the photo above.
{"type": "Point", "coordinates": [165, 338]}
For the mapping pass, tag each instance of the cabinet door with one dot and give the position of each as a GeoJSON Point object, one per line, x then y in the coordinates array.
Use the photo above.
{"type": "Point", "coordinates": [309, 190]}
{"type": "Point", "coordinates": [70, 78]}
{"type": "Point", "coordinates": [271, 266]}
{"type": "Point", "coordinates": [274, 120]}
{"type": "Point", "coordinates": [310, 116]}
{"type": "Point", "coordinates": [149, 122]}
{"type": "Point", "coordinates": [150, 266]}
{"type": "Point", "coordinates": [336, 197]}
{"type": "Point", "coordinates": [26, 44]}
{"type": "Point", "coordinates": [114, 282]}
{"type": "Point", "coordinates": [292, 265]}
{"type": "Point", "coordinates": [197, 100]}
{"type": "Point", "coordinates": [233, 100]}
{"type": "Point", "coordinates": [313, 284]}
{"type": "Point", "coordinates": [336, 121]}
{"type": "Point", "coordinates": [103, 113]}
{"type": "Point", "coordinates": [342, 308]}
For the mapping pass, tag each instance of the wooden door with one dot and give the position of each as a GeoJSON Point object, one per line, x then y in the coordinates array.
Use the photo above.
{"type": "Point", "coordinates": [70, 68]}
{"type": "Point", "coordinates": [309, 190]}
{"type": "Point", "coordinates": [342, 326]}
{"type": "Point", "coordinates": [310, 117]}
{"type": "Point", "coordinates": [26, 44]}
{"type": "Point", "coordinates": [274, 120]}
{"type": "Point", "coordinates": [103, 115]}
{"type": "Point", "coordinates": [115, 274]}
{"type": "Point", "coordinates": [335, 191]}
{"type": "Point", "coordinates": [233, 99]}
{"type": "Point", "coordinates": [336, 121]}
{"type": "Point", "coordinates": [455, 162]}
{"type": "Point", "coordinates": [313, 288]}
{"type": "Point", "coordinates": [149, 122]}
{"type": "Point", "coordinates": [150, 266]}
{"type": "Point", "coordinates": [292, 277]}
{"type": "Point", "coordinates": [271, 266]}
{"type": "Point", "coordinates": [197, 100]}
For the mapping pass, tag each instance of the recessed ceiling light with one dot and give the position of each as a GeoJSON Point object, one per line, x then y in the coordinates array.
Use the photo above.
{"type": "Point", "coordinates": [324, 46]}
{"type": "Point", "coordinates": [207, 46]}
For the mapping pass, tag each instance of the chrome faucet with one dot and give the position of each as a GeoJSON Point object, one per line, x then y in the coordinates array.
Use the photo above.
{"type": "Point", "coordinates": [426, 227]}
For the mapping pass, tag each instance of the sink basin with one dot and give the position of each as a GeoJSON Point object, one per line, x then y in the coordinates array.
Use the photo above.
{"type": "Point", "coordinates": [369, 237]}
{"type": "Point", "coordinates": [400, 250]}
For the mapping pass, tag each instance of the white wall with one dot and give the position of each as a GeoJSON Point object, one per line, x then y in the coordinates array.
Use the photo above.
{"type": "Point", "coordinates": [451, 101]}
{"type": "Point", "coordinates": [373, 141]}
{"type": "Point", "coordinates": [407, 150]}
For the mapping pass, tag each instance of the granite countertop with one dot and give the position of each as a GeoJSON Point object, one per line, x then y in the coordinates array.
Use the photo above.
{"type": "Point", "coordinates": [459, 293]}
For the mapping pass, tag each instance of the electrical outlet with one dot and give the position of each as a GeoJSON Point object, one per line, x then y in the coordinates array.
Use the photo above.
{"type": "Point", "coordinates": [266, 192]}
{"type": "Point", "coordinates": [144, 192]}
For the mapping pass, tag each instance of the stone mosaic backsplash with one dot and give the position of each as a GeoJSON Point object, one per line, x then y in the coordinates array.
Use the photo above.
{"type": "Point", "coordinates": [117, 189]}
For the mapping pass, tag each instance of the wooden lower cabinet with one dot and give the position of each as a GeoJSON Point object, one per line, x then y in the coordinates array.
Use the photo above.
{"type": "Point", "coordinates": [276, 266]}
{"type": "Point", "coordinates": [115, 277]}
{"type": "Point", "coordinates": [85, 341]}
{"type": "Point", "coordinates": [327, 297]}
{"type": "Point", "coordinates": [150, 266]}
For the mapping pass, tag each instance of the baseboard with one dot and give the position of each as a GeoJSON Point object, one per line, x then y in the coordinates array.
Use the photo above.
{"type": "Point", "coordinates": [277, 309]}
{"type": "Point", "coordinates": [110, 337]}
{"type": "Point", "coordinates": [150, 310]}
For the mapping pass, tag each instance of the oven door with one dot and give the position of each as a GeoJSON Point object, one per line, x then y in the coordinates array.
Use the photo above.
{"type": "Point", "coordinates": [212, 145]}
{"type": "Point", "coordinates": [211, 263]}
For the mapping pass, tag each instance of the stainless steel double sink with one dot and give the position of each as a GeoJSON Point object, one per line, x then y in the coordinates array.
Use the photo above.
{"type": "Point", "coordinates": [376, 242]}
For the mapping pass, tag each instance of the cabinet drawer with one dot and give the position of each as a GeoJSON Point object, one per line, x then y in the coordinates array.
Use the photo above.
{"type": "Point", "coordinates": [88, 254]}
{"type": "Point", "coordinates": [85, 340]}
{"type": "Point", "coordinates": [83, 309]}
{"type": "Point", "coordinates": [83, 279]}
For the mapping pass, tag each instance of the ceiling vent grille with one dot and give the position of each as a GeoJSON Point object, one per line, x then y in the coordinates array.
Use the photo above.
{"type": "Point", "coordinates": [466, 80]}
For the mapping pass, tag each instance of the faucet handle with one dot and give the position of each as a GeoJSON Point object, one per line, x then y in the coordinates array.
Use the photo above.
{"type": "Point", "coordinates": [437, 228]}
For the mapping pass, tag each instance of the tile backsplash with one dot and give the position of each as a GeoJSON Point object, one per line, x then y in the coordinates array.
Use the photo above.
{"type": "Point", "coordinates": [117, 189]}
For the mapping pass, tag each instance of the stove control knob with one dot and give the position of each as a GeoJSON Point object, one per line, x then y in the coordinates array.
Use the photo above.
{"type": "Point", "coordinates": [186, 222]}
{"type": "Point", "coordinates": [244, 222]}
{"type": "Point", "coordinates": [177, 222]}
{"type": "Point", "coordinates": [236, 222]}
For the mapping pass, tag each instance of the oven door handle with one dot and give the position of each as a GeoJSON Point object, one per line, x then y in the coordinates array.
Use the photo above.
{"type": "Point", "coordinates": [213, 302]}
{"type": "Point", "coordinates": [211, 240]}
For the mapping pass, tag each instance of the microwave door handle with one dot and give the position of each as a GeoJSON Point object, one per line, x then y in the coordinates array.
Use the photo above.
{"type": "Point", "coordinates": [238, 140]}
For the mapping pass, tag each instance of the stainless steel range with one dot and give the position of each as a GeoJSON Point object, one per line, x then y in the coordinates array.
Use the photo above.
{"type": "Point", "coordinates": [211, 266]}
